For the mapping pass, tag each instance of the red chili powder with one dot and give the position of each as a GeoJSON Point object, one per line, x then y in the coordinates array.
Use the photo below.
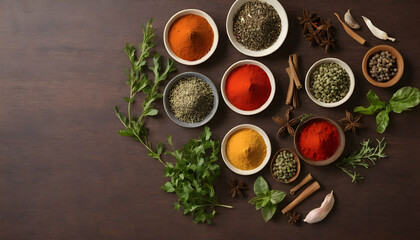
{"type": "Point", "coordinates": [318, 140]}
{"type": "Point", "coordinates": [248, 87]}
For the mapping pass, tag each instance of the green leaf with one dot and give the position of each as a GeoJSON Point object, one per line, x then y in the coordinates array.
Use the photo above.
{"type": "Point", "coordinates": [268, 211]}
{"type": "Point", "coordinates": [168, 187]}
{"type": "Point", "coordinates": [126, 132]}
{"type": "Point", "coordinates": [277, 196]}
{"type": "Point", "coordinates": [376, 104]}
{"type": "Point", "coordinates": [404, 99]}
{"type": "Point", "coordinates": [261, 187]}
{"type": "Point", "coordinates": [254, 200]}
{"type": "Point", "coordinates": [382, 119]}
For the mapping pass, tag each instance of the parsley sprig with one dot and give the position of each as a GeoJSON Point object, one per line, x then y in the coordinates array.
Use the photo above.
{"type": "Point", "coordinates": [194, 175]}
{"type": "Point", "coordinates": [139, 82]}
{"type": "Point", "coordinates": [361, 158]}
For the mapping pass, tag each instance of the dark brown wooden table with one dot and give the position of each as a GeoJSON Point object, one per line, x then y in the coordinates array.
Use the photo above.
{"type": "Point", "coordinates": [66, 174]}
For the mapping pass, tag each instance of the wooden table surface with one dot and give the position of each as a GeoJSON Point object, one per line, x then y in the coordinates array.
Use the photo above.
{"type": "Point", "coordinates": [66, 174]}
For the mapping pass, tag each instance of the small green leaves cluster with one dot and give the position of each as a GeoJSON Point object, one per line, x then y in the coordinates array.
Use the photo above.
{"type": "Point", "coordinates": [361, 158]}
{"type": "Point", "coordinates": [140, 83]}
{"type": "Point", "coordinates": [404, 99]}
{"type": "Point", "coordinates": [194, 175]}
{"type": "Point", "coordinates": [266, 199]}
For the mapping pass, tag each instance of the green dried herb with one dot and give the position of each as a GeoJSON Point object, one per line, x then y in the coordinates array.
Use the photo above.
{"type": "Point", "coordinates": [256, 25]}
{"type": "Point", "coordinates": [191, 99]}
{"type": "Point", "coordinates": [138, 82]}
{"type": "Point", "coordinates": [359, 159]}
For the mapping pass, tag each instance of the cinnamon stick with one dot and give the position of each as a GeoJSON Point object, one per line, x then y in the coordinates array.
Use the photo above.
{"type": "Point", "coordinates": [295, 99]}
{"type": "Point", "coordinates": [290, 91]}
{"type": "Point", "coordinates": [295, 62]}
{"type": "Point", "coordinates": [294, 74]}
{"type": "Point", "coordinates": [306, 193]}
{"type": "Point", "coordinates": [350, 32]}
{"type": "Point", "coordinates": [307, 179]}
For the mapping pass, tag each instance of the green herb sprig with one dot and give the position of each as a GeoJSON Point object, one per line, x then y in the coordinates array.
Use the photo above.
{"type": "Point", "coordinates": [404, 99]}
{"type": "Point", "coordinates": [139, 82]}
{"type": "Point", "coordinates": [266, 199]}
{"type": "Point", "coordinates": [361, 158]}
{"type": "Point", "coordinates": [194, 175]}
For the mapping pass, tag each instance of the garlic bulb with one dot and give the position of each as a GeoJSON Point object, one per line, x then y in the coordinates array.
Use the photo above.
{"type": "Point", "coordinates": [348, 18]}
{"type": "Point", "coordinates": [317, 214]}
{"type": "Point", "coordinates": [376, 31]}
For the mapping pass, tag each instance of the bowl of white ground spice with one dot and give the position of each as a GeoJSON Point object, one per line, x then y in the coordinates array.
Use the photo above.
{"type": "Point", "coordinates": [190, 99]}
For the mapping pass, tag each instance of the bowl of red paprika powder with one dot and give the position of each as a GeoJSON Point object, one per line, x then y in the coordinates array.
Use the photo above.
{"type": "Point", "coordinates": [190, 36]}
{"type": "Point", "coordinates": [248, 87]}
{"type": "Point", "coordinates": [319, 141]}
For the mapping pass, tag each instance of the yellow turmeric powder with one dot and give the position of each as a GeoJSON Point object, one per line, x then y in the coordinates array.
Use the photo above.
{"type": "Point", "coordinates": [246, 149]}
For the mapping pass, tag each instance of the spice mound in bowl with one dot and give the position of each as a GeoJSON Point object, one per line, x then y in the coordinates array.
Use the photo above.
{"type": "Point", "coordinates": [246, 149]}
{"type": "Point", "coordinates": [285, 166]}
{"type": "Point", "coordinates": [190, 99]}
{"type": "Point", "coordinates": [329, 82]}
{"type": "Point", "coordinates": [190, 36]}
{"type": "Point", "coordinates": [248, 87]}
{"type": "Point", "coordinates": [257, 28]}
{"type": "Point", "coordinates": [319, 141]}
{"type": "Point", "coordinates": [383, 66]}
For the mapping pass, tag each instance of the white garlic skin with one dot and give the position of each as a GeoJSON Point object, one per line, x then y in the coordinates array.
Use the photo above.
{"type": "Point", "coordinates": [348, 18]}
{"type": "Point", "coordinates": [376, 31]}
{"type": "Point", "coordinates": [318, 214]}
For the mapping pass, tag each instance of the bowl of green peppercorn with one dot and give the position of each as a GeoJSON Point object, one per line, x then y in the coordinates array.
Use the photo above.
{"type": "Point", "coordinates": [190, 99]}
{"type": "Point", "coordinates": [285, 166]}
{"type": "Point", "coordinates": [329, 82]}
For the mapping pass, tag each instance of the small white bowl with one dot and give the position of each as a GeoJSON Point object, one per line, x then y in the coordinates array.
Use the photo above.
{"type": "Point", "coordinates": [276, 45]}
{"type": "Point", "coordinates": [267, 143]}
{"type": "Point", "coordinates": [270, 77]}
{"type": "Point", "coordinates": [181, 14]}
{"type": "Point", "coordinates": [345, 67]}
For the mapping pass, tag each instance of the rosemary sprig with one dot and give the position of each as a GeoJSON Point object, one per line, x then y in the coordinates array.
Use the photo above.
{"type": "Point", "coordinates": [360, 159]}
{"type": "Point", "coordinates": [139, 82]}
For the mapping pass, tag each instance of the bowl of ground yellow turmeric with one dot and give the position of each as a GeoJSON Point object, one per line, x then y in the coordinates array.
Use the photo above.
{"type": "Point", "coordinates": [190, 36]}
{"type": "Point", "coordinates": [246, 149]}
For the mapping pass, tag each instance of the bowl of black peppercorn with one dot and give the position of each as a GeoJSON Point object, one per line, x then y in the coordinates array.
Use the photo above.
{"type": "Point", "coordinates": [383, 66]}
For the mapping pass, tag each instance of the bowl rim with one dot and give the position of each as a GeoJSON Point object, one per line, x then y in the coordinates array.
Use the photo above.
{"type": "Point", "coordinates": [270, 77]}
{"type": "Point", "coordinates": [276, 45]}
{"type": "Point", "coordinates": [182, 13]}
{"type": "Point", "coordinates": [295, 157]}
{"type": "Point", "coordinates": [168, 111]}
{"type": "Point", "coordinates": [400, 65]}
{"type": "Point", "coordinates": [337, 153]}
{"type": "Point", "coordinates": [267, 143]}
{"type": "Point", "coordinates": [345, 66]}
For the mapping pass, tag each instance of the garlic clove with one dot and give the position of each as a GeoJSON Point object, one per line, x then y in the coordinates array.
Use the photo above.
{"type": "Point", "coordinates": [376, 31]}
{"type": "Point", "coordinates": [348, 18]}
{"type": "Point", "coordinates": [318, 214]}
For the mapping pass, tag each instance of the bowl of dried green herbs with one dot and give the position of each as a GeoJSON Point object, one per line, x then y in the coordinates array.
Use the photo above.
{"type": "Point", "coordinates": [257, 28]}
{"type": "Point", "coordinates": [190, 99]}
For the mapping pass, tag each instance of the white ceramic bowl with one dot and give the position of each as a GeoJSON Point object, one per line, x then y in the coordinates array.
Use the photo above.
{"type": "Point", "coordinates": [188, 12]}
{"type": "Point", "coordinates": [270, 76]}
{"type": "Point", "coordinates": [276, 45]}
{"type": "Point", "coordinates": [345, 67]}
{"type": "Point", "coordinates": [267, 143]}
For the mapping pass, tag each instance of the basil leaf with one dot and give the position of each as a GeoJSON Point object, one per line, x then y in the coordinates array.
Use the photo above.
{"type": "Point", "coordinates": [375, 104]}
{"type": "Point", "coordinates": [268, 211]}
{"type": "Point", "coordinates": [261, 187]}
{"type": "Point", "coordinates": [382, 119]}
{"type": "Point", "coordinates": [404, 99]}
{"type": "Point", "coordinates": [277, 196]}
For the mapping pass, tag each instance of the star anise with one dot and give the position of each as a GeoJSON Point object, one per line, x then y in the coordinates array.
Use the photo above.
{"type": "Point", "coordinates": [237, 188]}
{"type": "Point", "coordinates": [350, 122]}
{"type": "Point", "coordinates": [293, 217]}
{"type": "Point", "coordinates": [307, 20]}
{"type": "Point", "coordinates": [286, 124]}
{"type": "Point", "coordinates": [327, 43]}
{"type": "Point", "coordinates": [326, 27]}
{"type": "Point", "coordinates": [313, 37]}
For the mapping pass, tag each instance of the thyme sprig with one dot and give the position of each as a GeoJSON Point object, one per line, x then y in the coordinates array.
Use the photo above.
{"type": "Point", "coordinates": [362, 158]}
{"type": "Point", "coordinates": [139, 82]}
